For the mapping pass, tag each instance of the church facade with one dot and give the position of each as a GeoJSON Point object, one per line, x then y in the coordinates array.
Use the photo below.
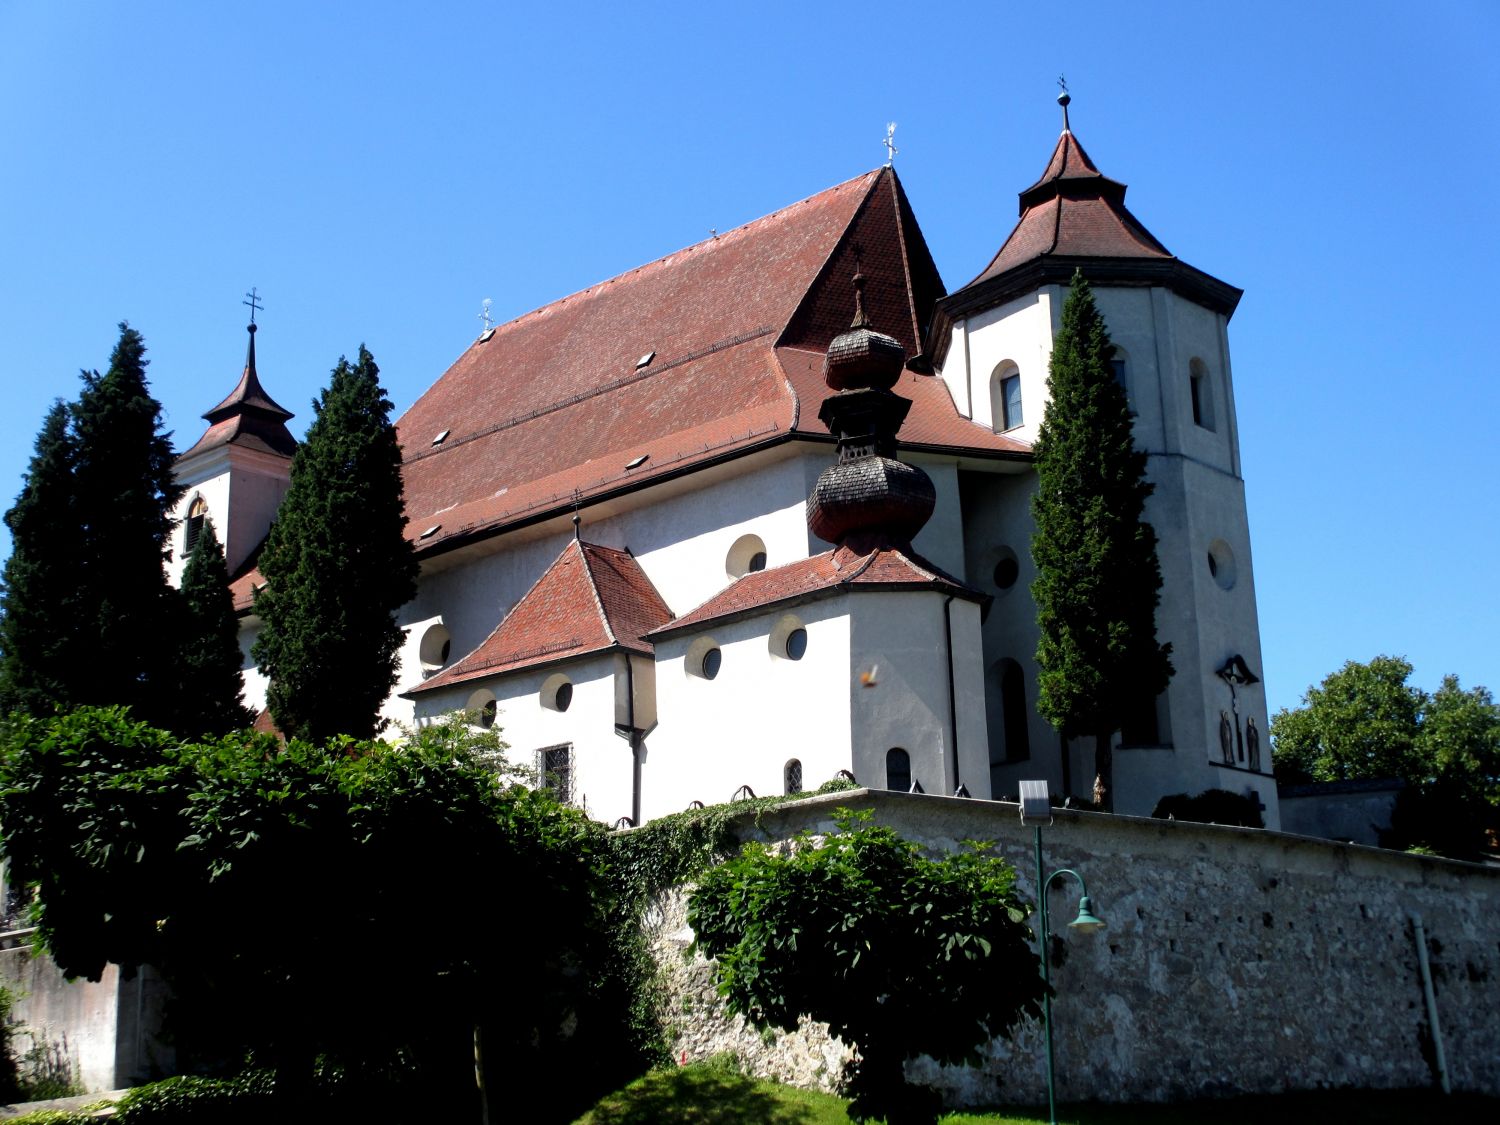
{"type": "Point", "coordinates": [757, 514]}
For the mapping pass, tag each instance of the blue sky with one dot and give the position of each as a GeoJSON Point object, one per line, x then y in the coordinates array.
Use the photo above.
{"type": "Point", "coordinates": [377, 169]}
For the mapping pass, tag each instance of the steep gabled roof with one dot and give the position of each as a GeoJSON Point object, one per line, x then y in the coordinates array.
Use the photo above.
{"type": "Point", "coordinates": [556, 406]}
{"type": "Point", "coordinates": [248, 417]}
{"type": "Point", "coordinates": [889, 567]}
{"type": "Point", "coordinates": [591, 599]}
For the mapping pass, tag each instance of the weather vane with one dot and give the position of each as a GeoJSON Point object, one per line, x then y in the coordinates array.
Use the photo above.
{"type": "Point", "coordinates": [254, 303]}
{"type": "Point", "coordinates": [484, 312]}
{"type": "Point", "coordinates": [890, 143]}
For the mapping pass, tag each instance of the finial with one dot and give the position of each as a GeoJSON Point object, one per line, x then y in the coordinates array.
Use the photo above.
{"type": "Point", "coordinates": [1063, 99]}
{"type": "Point", "coordinates": [577, 519]}
{"type": "Point", "coordinates": [484, 312]}
{"type": "Point", "coordinates": [255, 305]}
{"type": "Point", "coordinates": [860, 319]}
{"type": "Point", "coordinates": [890, 143]}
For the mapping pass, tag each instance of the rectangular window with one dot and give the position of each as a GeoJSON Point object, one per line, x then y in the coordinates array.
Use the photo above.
{"type": "Point", "coordinates": [555, 765]}
{"type": "Point", "coordinates": [1010, 394]}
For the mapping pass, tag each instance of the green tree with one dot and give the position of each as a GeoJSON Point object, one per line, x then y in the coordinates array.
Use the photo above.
{"type": "Point", "coordinates": [147, 849]}
{"type": "Point", "coordinates": [124, 492]}
{"type": "Point", "coordinates": [210, 698]}
{"type": "Point", "coordinates": [1098, 580]}
{"type": "Point", "coordinates": [337, 566]}
{"type": "Point", "coordinates": [42, 647]}
{"type": "Point", "coordinates": [899, 954]}
{"type": "Point", "coordinates": [1365, 722]}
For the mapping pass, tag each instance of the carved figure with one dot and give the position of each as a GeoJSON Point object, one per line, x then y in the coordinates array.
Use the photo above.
{"type": "Point", "coordinates": [1252, 740]}
{"type": "Point", "coordinates": [1226, 738]}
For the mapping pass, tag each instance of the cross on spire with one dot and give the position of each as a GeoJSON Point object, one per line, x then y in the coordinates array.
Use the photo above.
{"type": "Point", "coordinates": [890, 144]}
{"type": "Point", "coordinates": [484, 312]}
{"type": "Point", "coordinates": [254, 303]}
{"type": "Point", "coordinates": [1063, 98]}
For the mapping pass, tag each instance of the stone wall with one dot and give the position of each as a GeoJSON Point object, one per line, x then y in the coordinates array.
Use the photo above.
{"type": "Point", "coordinates": [1234, 960]}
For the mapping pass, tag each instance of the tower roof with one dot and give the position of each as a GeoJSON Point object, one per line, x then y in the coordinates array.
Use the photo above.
{"type": "Point", "coordinates": [248, 416]}
{"type": "Point", "coordinates": [591, 599]}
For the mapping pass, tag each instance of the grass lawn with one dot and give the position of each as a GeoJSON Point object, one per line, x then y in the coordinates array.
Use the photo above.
{"type": "Point", "coordinates": [710, 1094]}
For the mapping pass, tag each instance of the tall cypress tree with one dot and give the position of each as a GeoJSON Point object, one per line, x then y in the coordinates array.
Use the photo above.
{"type": "Point", "coordinates": [41, 644]}
{"type": "Point", "coordinates": [123, 493]}
{"type": "Point", "coordinates": [1098, 580]}
{"type": "Point", "coordinates": [209, 691]}
{"type": "Point", "coordinates": [337, 566]}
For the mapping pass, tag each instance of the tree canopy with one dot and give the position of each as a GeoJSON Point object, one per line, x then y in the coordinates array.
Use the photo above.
{"type": "Point", "coordinates": [1097, 580]}
{"type": "Point", "coordinates": [337, 566]}
{"type": "Point", "coordinates": [1365, 721]}
{"type": "Point", "coordinates": [89, 614]}
{"type": "Point", "coordinates": [899, 954]}
{"type": "Point", "coordinates": [366, 903]}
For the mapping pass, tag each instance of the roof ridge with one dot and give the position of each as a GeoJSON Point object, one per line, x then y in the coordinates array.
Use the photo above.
{"type": "Point", "coordinates": [584, 550]}
{"type": "Point", "coordinates": [587, 290]}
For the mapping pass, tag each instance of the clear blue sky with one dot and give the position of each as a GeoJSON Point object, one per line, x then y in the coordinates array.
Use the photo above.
{"type": "Point", "coordinates": [376, 169]}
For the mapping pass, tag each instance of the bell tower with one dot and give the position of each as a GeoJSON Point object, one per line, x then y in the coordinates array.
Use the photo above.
{"type": "Point", "coordinates": [237, 472]}
{"type": "Point", "coordinates": [991, 341]}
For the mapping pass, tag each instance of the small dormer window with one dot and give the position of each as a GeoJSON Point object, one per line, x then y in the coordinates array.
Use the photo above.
{"type": "Point", "coordinates": [645, 360]}
{"type": "Point", "coordinates": [442, 437]}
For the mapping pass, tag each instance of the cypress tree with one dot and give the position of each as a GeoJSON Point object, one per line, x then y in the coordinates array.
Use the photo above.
{"type": "Point", "coordinates": [210, 692]}
{"type": "Point", "coordinates": [123, 493]}
{"type": "Point", "coordinates": [1098, 580]}
{"type": "Point", "coordinates": [40, 639]}
{"type": "Point", "coordinates": [337, 566]}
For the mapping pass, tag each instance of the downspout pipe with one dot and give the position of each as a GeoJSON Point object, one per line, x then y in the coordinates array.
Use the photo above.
{"type": "Point", "coordinates": [952, 689]}
{"type": "Point", "coordinates": [633, 734]}
{"type": "Point", "coordinates": [1439, 1056]}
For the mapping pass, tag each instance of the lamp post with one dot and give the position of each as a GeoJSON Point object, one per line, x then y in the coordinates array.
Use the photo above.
{"type": "Point", "coordinates": [1036, 802]}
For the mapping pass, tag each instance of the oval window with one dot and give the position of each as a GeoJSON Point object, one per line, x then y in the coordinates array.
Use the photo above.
{"type": "Point", "coordinates": [713, 659]}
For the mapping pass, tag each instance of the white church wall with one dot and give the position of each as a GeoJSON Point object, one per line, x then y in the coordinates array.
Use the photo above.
{"type": "Point", "coordinates": [759, 712]}
{"type": "Point", "coordinates": [254, 680]}
{"type": "Point", "coordinates": [898, 636]}
{"type": "Point", "coordinates": [242, 488]}
{"type": "Point", "coordinates": [1017, 332]}
{"type": "Point", "coordinates": [529, 722]}
{"type": "Point", "coordinates": [211, 484]}
{"type": "Point", "coordinates": [941, 541]}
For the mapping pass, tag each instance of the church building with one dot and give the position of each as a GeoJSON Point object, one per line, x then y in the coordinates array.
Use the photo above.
{"type": "Point", "coordinates": [757, 514]}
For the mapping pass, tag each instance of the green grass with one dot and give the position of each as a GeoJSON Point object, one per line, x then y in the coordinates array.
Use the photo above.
{"type": "Point", "coordinates": [715, 1092]}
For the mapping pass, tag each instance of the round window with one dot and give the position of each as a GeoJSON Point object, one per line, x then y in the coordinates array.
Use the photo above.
{"type": "Point", "coordinates": [487, 714]}
{"type": "Point", "coordinates": [1221, 566]}
{"type": "Point", "coordinates": [796, 644]}
{"type": "Point", "coordinates": [1007, 569]}
{"type": "Point", "coordinates": [757, 562]}
{"type": "Point", "coordinates": [564, 697]}
{"type": "Point", "coordinates": [712, 660]}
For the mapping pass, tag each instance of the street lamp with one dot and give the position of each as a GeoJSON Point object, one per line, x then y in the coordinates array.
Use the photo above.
{"type": "Point", "coordinates": [1036, 804]}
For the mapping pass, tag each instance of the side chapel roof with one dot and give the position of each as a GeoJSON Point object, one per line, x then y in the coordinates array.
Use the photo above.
{"type": "Point", "coordinates": [591, 599]}
{"type": "Point", "coordinates": [886, 567]}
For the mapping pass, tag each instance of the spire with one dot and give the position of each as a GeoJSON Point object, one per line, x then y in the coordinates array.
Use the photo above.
{"type": "Point", "coordinates": [1064, 99]}
{"type": "Point", "coordinates": [248, 415]}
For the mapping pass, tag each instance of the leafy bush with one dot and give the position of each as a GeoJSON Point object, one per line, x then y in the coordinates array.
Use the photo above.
{"type": "Point", "coordinates": [899, 954]}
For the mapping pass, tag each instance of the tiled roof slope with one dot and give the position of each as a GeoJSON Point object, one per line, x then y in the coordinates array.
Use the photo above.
{"type": "Point", "coordinates": [1073, 211]}
{"type": "Point", "coordinates": [885, 567]}
{"type": "Point", "coordinates": [553, 404]}
{"type": "Point", "coordinates": [591, 599]}
{"type": "Point", "coordinates": [248, 417]}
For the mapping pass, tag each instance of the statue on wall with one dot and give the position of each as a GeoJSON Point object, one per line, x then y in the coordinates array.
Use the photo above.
{"type": "Point", "coordinates": [1252, 740]}
{"type": "Point", "coordinates": [1226, 738]}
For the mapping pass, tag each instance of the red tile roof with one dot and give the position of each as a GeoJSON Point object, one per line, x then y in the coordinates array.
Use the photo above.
{"type": "Point", "coordinates": [591, 599]}
{"type": "Point", "coordinates": [843, 568]}
{"type": "Point", "coordinates": [553, 405]}
{"type": "Point", "coordinates": [1073, 211]}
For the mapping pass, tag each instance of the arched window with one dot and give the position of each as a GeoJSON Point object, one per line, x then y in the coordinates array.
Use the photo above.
{"type": "Point", "coordinates": [1005, 397]}
{"type": "Point", "coordinates": [897, 770]}
{"type": "Point", "coordinates": [791, 777]}
{"type": "Point", "coordinates": [1013, 703]}
{"type": "Point", "coordinates": [197, 514]}
{"type": "Point", "coordinates": [1203, 394]}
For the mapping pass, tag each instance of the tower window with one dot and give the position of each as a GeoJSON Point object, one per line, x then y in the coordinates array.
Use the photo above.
{"type": "Point", "coordinates": [1203, 394]}
{"type": "Point", "coordinates": [1013, 703]}
{"type": "Point", "coordinates": [197, 513]}
{"type": "Point", "coordinates": [1005, 397]}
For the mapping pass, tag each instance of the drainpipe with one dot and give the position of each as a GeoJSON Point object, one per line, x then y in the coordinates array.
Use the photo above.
{"type": "Point", "coordinates": [1438, 1055]}
{"type": "Point", "coordinates": [952, 690]}
{"type": "Point", "coordinates": [634, 736]}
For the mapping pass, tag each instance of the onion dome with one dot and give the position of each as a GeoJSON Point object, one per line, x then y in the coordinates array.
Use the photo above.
{"type": "Point", "coordinates": [870, 495]}
{"type": "Point", "coordinates": [862, 357]}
